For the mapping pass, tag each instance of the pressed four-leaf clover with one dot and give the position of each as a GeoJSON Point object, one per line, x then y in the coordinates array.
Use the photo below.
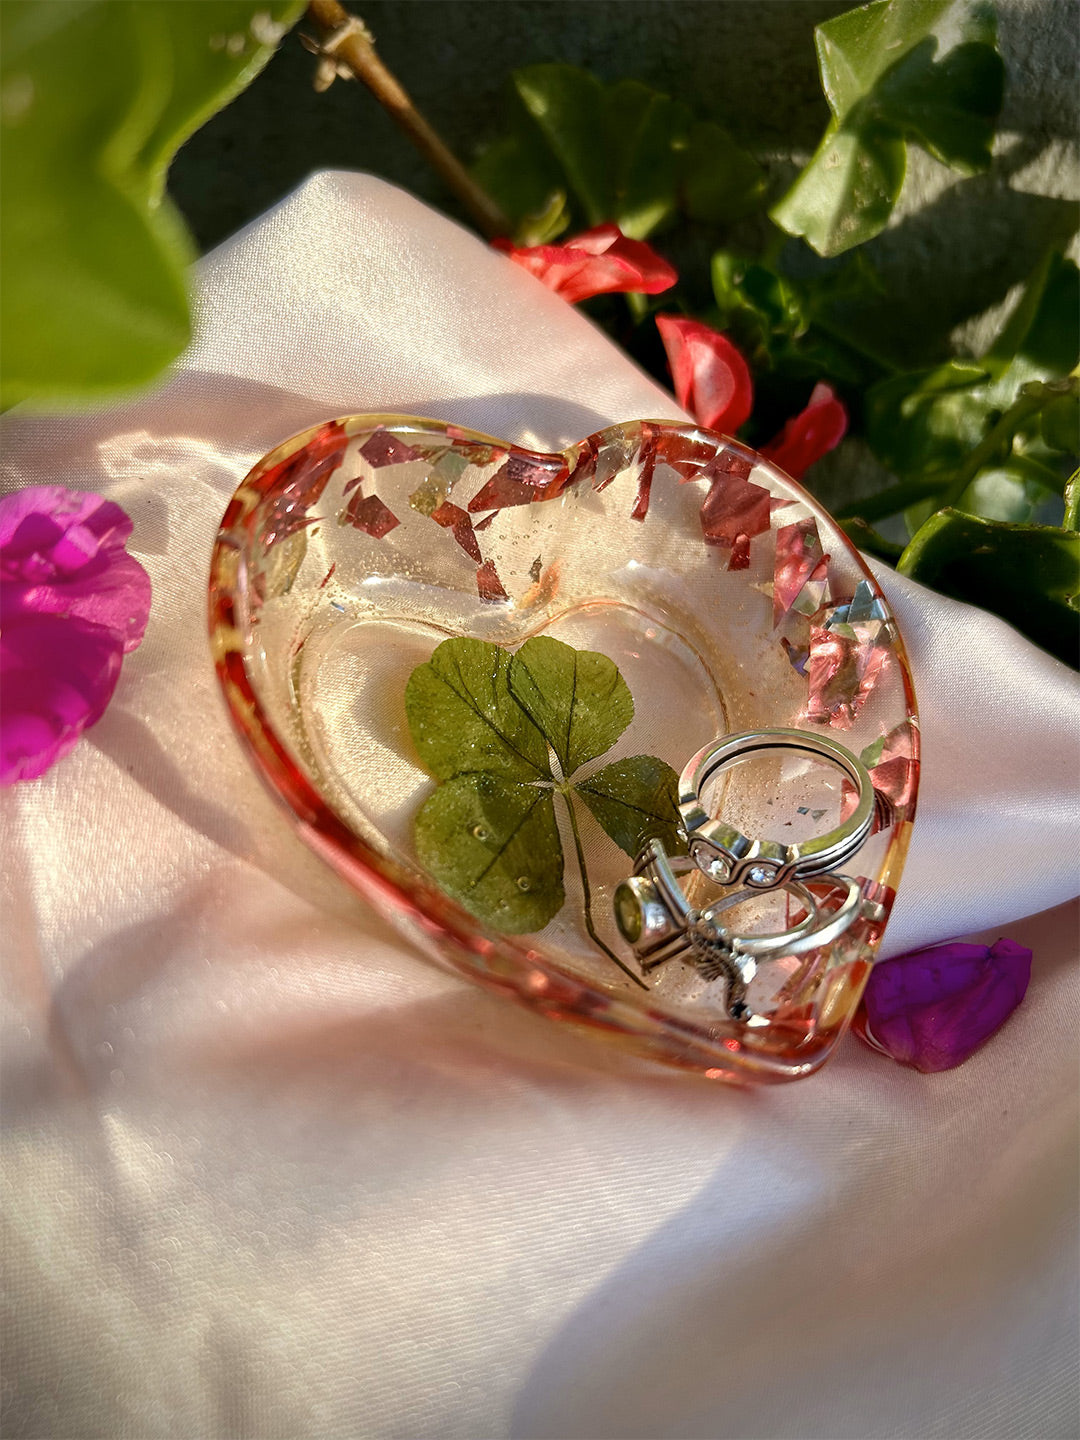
{"type": "Point", "coordinates": [505, 734]}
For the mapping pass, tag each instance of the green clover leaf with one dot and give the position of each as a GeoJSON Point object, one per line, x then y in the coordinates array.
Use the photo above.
{"type": "Point", "coordinates": [494, 845]}
{"type": "Point", "coordinates": [464, 719]}
{"type": "Point", "coordinates": [576, 698]}
{"type": "Point", "coordinates": [486, 724]}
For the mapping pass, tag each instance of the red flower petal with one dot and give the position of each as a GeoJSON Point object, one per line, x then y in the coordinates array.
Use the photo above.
{"type": "Point", "coordinates": [599, 262]}
{"type": "Point", "coordinates": [712, 380]}
{"type": "Point", "coordinates": [809, 435]}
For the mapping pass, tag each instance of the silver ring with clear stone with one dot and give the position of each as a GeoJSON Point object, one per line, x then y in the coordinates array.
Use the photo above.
{"type": "Point", "coordinates": [728, 856]}
{"type": "Point", "coordinates": [655, 918]}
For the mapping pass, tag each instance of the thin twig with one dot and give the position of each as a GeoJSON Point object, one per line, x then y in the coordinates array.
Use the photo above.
{"type": "Point", "coordinates": [351, 44]}
{"type": "Point", "coordinates": [587, 896]}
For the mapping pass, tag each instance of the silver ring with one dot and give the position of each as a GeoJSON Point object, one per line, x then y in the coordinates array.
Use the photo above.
{"type": "Point", "coordinates": [657, 921]}
{"type": "Point", "coordinates": [728, 856]}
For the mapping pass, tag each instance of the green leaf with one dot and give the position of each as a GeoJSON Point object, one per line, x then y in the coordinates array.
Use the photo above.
{"type": "Point", "coordinates": [493, 845]}
{"type": "Point", "coordinates": [624, 153]}
{"type": "Point", "coordinates": [720, 182]}
{"type": "Point", "coordinates": [894, 71]}
{"type": "Point", "coordinates": [1003, 492]}
{"type": "Point", "coordinates": [520, 172]}
{"type": "Point", "coordinates": [636, 800]}
{"type": "Point", "coordinates": [925, 423]}
{"type": "Point", "coordinates": [568, 106]}
{"type": "Point", "coordinates": [462, 717]}
{"type": "Point", "coordinates": [1027, 574]}
{"type": "Point", "coordinates": [1061, 425]}
{"type": "Point", "coordinates": [576, 698]}
{"type": "Point", "coordinates": [846, 194]}
{"type": "Point", "coordinates": [97, 95]}
{"type": "Point", "coordinates": [1039, 341]}
{"type": "Point", "coordinates": [643, 130]}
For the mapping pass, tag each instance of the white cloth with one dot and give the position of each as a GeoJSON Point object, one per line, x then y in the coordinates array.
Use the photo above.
{"type": "Point", "coordinates": [268, 1174]}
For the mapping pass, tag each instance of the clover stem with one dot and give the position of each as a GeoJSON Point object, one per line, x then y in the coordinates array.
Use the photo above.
{"type": "Point", "coordinates": [587, 893]}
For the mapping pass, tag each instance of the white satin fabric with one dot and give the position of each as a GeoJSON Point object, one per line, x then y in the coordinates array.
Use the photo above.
{"type": "Point", "coordinates": [268, 1174]}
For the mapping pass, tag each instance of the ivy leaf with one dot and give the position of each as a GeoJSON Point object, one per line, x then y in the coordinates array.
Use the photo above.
{"type": "Point", "coordinates": [97, 97]}
{"type": "Point", "coordinates": [636, 800]}
{"type": "Point", "coordinates": [1039, 340]}
{"type": "Point", "coordinates": [463, 718]}
{"type": "Point", "coordinates": [493, 845]}
{"type": "Point", "coordinates": [894, 71]}
{"type": "Point", "coordinates": [1027, 574]}
{"type": "Point", "coordinates": [577, 699]}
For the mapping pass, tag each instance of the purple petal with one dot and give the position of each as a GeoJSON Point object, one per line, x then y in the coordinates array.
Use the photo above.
{"type": "Point", "coordinates": [62, 553]}
{"type": "Point", "coordinates": [72, 603]}
{"type": "Point", "coordinates": [58, 676]}
{"type": "Point", "coordinates": [934, 1008]}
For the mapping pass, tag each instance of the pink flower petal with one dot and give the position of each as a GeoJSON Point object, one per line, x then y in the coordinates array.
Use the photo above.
{"type": "Point", "coordinates": [712, 380]}
{"type": "Point", "coordinates": [934, 1008]}
{"type": "Point", "coordinates": [809, 435]}
{"type": "Point", "coordinates": [72, 603]}
{"type": "Point", "coordinates": [62, 553]}
{"type": "Point", "coordinates": [58, 676]}
{"type": "Point", "coordinates": [600, 261]}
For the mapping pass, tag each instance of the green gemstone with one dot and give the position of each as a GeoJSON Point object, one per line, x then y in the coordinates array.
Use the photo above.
{"type": "Point", "coordinates": [628, 915]}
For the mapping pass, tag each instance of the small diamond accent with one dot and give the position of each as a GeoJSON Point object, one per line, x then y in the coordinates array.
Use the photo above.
{"type": "Point", "coordinates": [761, 875]}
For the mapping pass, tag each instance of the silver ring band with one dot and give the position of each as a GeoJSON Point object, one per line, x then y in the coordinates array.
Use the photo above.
{"type": "Point", "coordinates": [728, 856]}
{"type": "Point", "coordinates": [655, 918]}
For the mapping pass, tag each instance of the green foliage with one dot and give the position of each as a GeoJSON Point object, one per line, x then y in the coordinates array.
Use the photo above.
{"type": "Point", "coordinates": [790, 326]}
{"type": "Point", "coordinates": [995, 436]}
{"type": "Point", "coordinates": [579, 152]}
{"type": "Point", "coordinates": [487, 723]}
{"type": "Point", "coordinates": [1028, 574]}
{"type": "Point", "coordinates": [95, 98]}
{"type": "Point", "coordinates": [894, 72]}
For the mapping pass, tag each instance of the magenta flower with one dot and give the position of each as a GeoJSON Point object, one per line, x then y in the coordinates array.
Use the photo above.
{"type": "Point", "coordinates": [934, 1008]}
{"type": "Point", "coordinates": [73, 602]}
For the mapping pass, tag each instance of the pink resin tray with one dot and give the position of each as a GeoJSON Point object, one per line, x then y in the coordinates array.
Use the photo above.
{"type": "Point", "coordinates": [727, 597]}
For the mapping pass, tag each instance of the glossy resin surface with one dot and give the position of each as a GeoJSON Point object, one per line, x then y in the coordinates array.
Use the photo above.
{"type": "Point", "coordinates": [727, 598]}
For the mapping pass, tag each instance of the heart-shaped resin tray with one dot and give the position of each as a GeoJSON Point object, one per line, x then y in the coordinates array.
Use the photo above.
{"type": "Point", "coordinates": [729, 601]}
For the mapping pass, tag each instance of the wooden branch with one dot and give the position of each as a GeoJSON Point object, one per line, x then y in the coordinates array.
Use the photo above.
{"type": "Point", "coordinates": [346, 40]}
